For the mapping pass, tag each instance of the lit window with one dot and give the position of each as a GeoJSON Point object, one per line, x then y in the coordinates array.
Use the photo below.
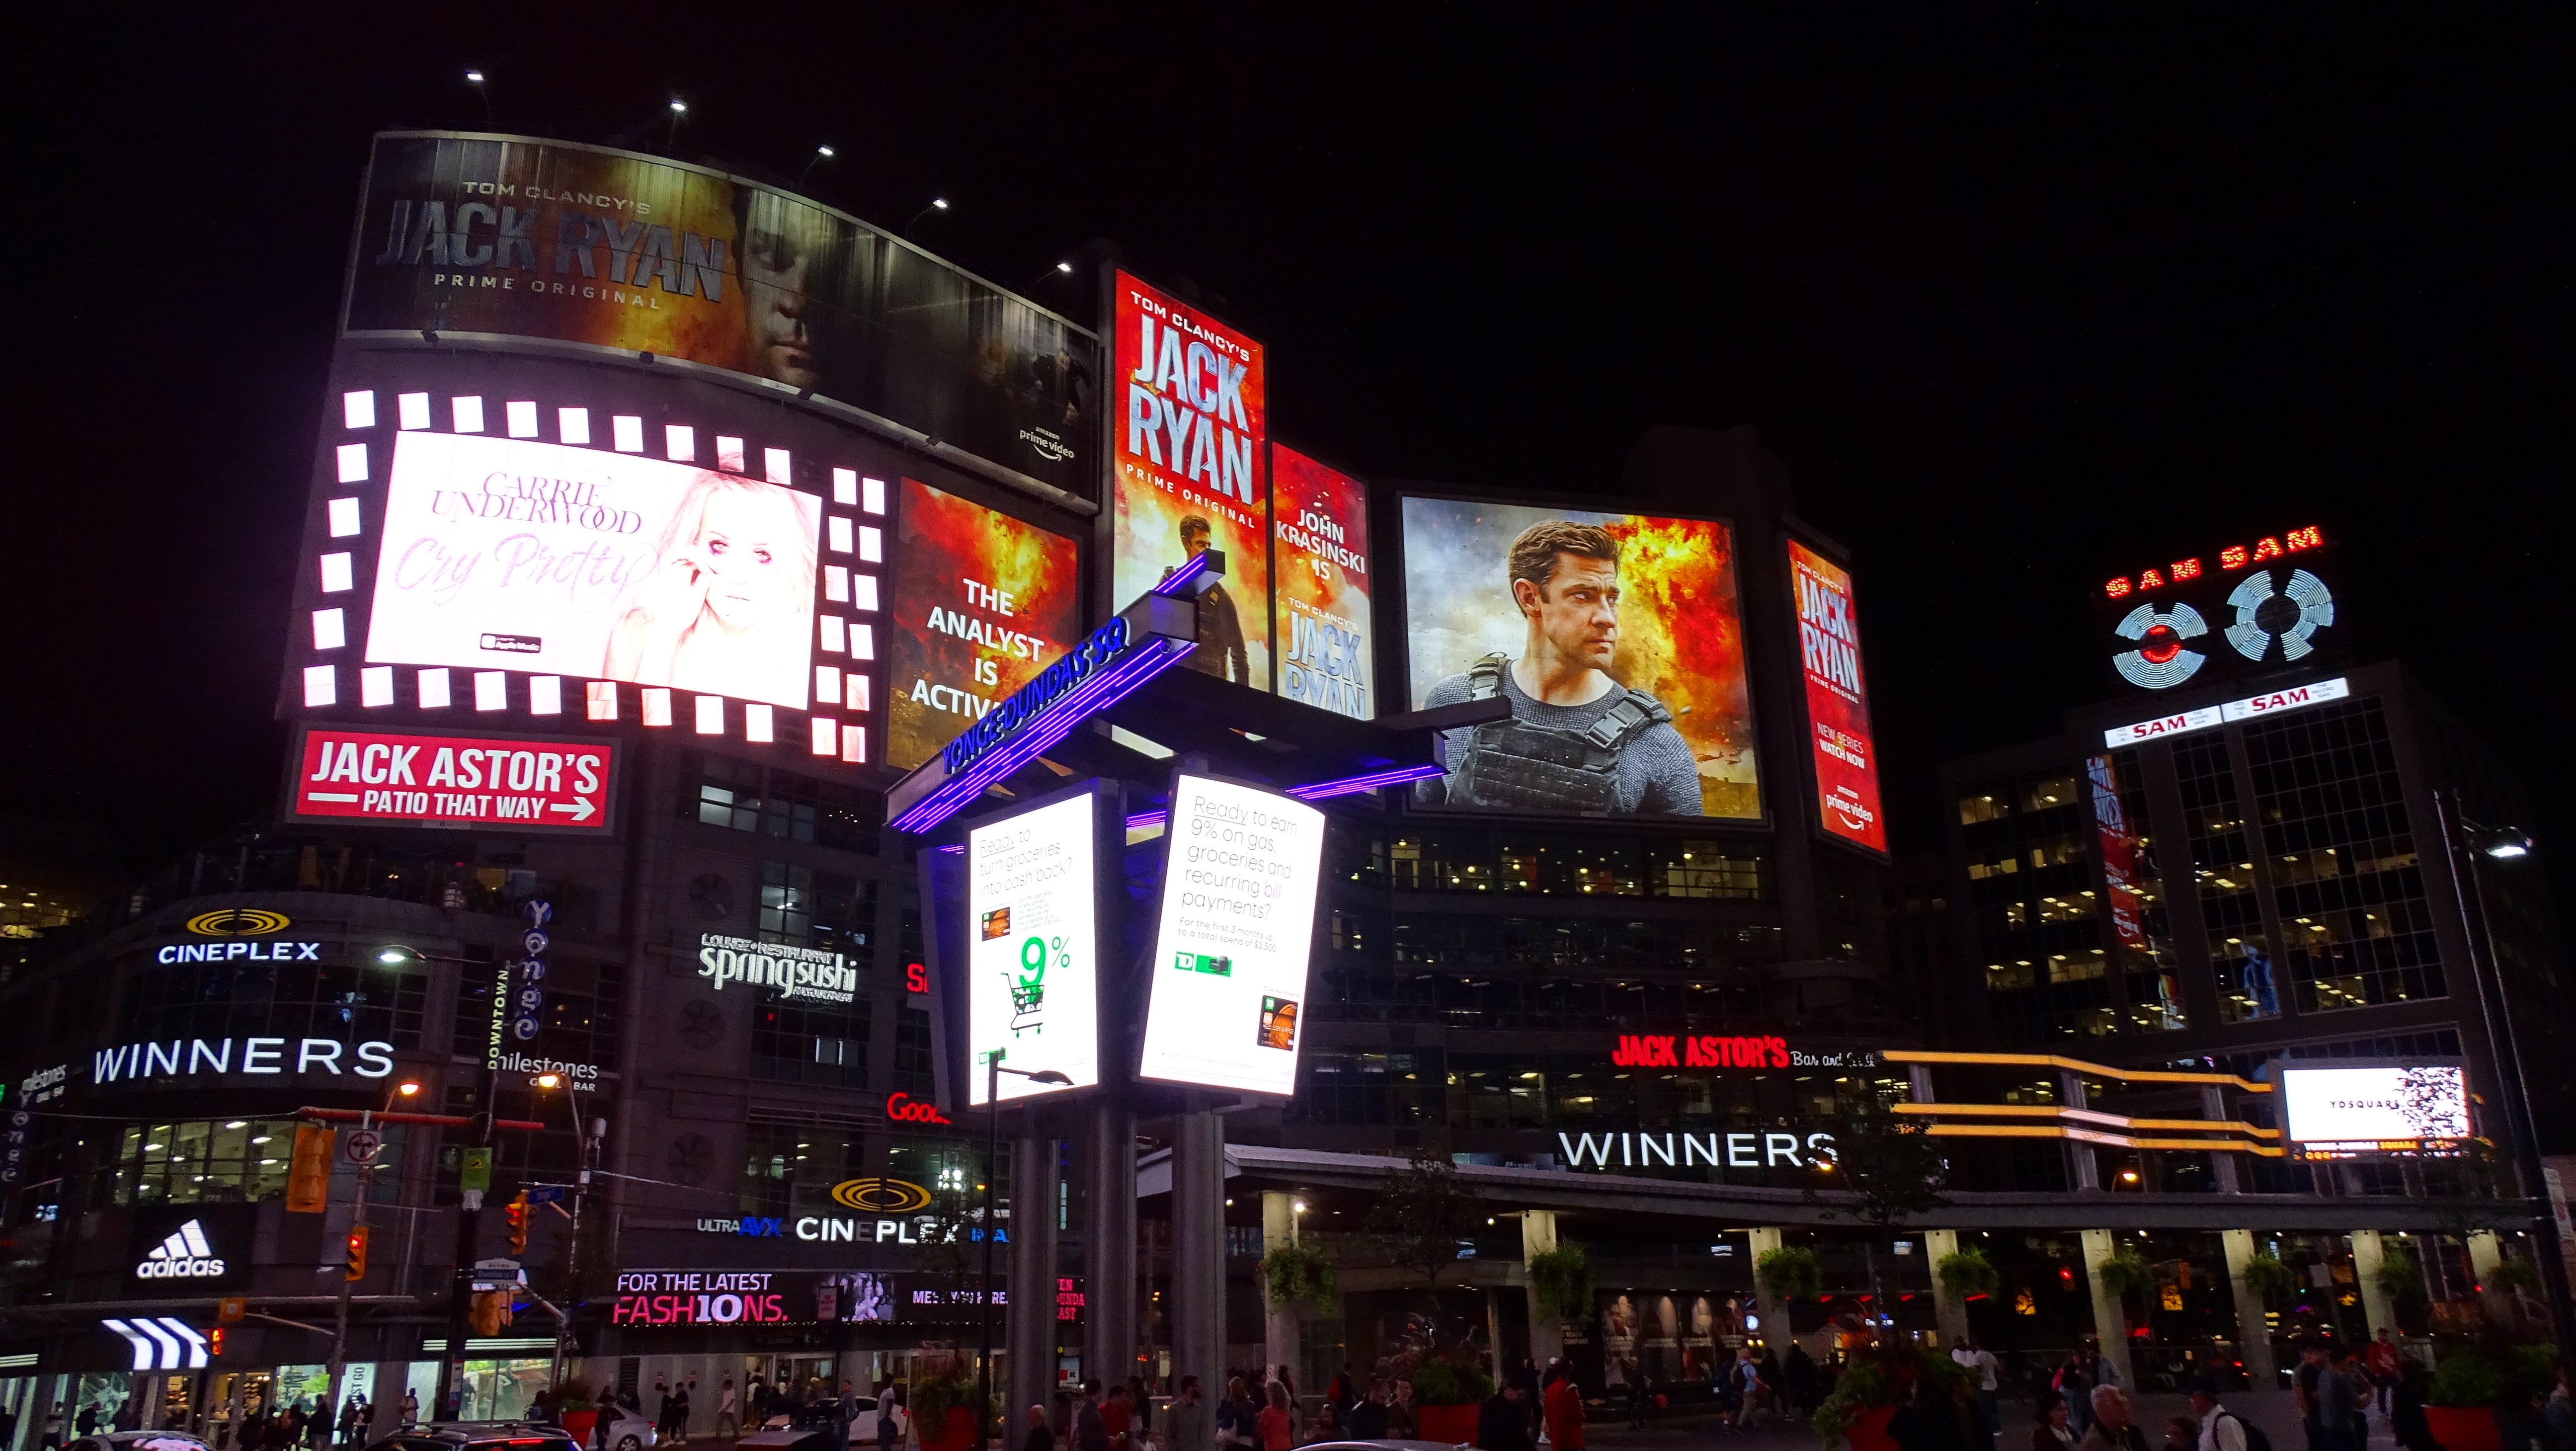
{"type": "Point", "coordinates": [775, 465]}
{"type": "Point", "coordinates": [321, 685]}
{"type": "Point", "coordinates": [825, 737]}
{"type": "Point", "coordinates": [863, 591]}
{"type": "Point", "coordinates": [863, 641]}
{"type": "Point", "coordinates": [358, 410]}
{"type": "Point", "coordinates": [858, 691]}
{"type": "Point", "coordinates": [827, 683]}
{"type": "Point", "coordinates": [433, 689]}
{"type": "Point", "coordinates": [626, 433]}
{"type": "Point", "coordinates": [729, 454]}
{"type": "Point", "coordinates": [376, 685]}
{"type": "Point", "coordinates": [680, 443]}
{"type": "Point", "coordinates": [832, 634]}
{"type": "Point", "coordinates": [845, 487]}
{"type": "Point", "coordinates": [491, 690]}
{"type": "Point", "coordinates": [330, 629]}
{"type": "Point", "coordinates": [523, 419]}
{"type": "Point", "coordinates": [344, 517]}
{"type": "Point", "coordinates": [874, 495]}
{"type": "Point", "coordinates": [854, 745]}
{"type": "Point", "coordinates": [871, 544]}
{"type": "Point", "coordinates": [600, 696]}
{"type": "Point", "coordinates": [468, 412]}
{"type": "Point", "coordinates": [758, 725]}
{"type": "Point", "coordinates": [839, 529]}
{"type": "Point", "coordinates": [415, 409]}
{"type": "Point", "coordinates": [710, 715]}
{"type": "Point", "coordinates": [657, 705]}
{"type": "Point", "coordinates": [353, 462]}
{"type": "Point", "coordinates": [336, 574]}
{"type": "Point", "coordinates": [836, 583]}
{"type": "Point", "coordinates": [573, 425]}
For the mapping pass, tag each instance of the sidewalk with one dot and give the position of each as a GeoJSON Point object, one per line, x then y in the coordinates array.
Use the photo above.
{"type": "Point", "coordinates": [2277, 1412]}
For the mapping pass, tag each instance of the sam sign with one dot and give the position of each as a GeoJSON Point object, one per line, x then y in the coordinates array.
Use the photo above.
{"type": "Point", "coordinates": [1837, 700]}
{"type": "Point", "coordinates": [528, 783]}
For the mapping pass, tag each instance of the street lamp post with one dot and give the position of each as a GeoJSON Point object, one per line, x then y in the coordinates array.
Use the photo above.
{"type": "Point", "coordinates": [584, 1146]}
{"type": "Point", "coordinates": [339, 1367]}
{"type": "Point", "coordinates": [2504, 1044]}
{"type": "Point", "coordinates": [993, 1071]}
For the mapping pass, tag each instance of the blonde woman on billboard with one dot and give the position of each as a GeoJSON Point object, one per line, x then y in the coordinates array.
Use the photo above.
{"type": "Point", "coordinates": [729, 604]}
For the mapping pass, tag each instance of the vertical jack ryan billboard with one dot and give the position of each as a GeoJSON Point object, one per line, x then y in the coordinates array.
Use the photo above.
{"type": "Point", "coordinates": [1837, 700]}
{"type": "Point", "coordinates": [1188, 470]}
{"type": "Point", "coordinates": [1320, 590]}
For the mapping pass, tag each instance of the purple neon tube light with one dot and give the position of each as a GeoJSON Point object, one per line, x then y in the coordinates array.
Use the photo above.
{"type": "Point", "coordinates": [1103, 689]}
{"type": "Point", "coordinates": [1350, 785]}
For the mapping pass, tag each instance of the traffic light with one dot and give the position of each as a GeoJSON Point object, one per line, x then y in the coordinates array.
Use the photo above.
{"type": "Point", "coordinates": [215, 1341]}
{"type": "Point", "coordinates": [491, 1311]}
{"type": "Point", "coordinates": [518, 1212]}
{"type": "Point", "coordinates": [356, 1268]}
{"type": "Point", "coordinates": [308, 1173]}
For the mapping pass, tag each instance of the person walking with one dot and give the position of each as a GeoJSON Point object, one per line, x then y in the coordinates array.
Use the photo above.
{"type": "Point", "coordinates": [1503, 1423]}
{"type": "Point", "coordinates": [729, 1414]}
{"type": "Point", "coordinates": [1980, 1363]}
{"type": "Point", "coordinates": [1798, 1377]}
{"type": "Point", "coordinates": [1368, 1415]}
{"type": "Point", "coordinates": [2406, 1419]}
{"type": "Point", "coordinates": [2075, 1385]}
{"type": "Point", "coordinates": [2113, 1429]}
{"type": "Point", "coordinates": [1185, 1420]}
{"type": "Point", "coordinates": [1237, 1418]}
{"type": "Point", "coordinates": [2220, 1428]}
{"type": "Point", "coordinates": [1278, 1422]}
{"type": "Point", "coordinates": [2052, 1432]}
{"type": "Point", "coordinates": [411, 1408]}
{"type": "Point", "coordinates": [2380, 1361]}
{"type": "Point", "coordinates": [1561, 1407]}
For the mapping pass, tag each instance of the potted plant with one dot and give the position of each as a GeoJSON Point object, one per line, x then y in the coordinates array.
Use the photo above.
{"type": "Point", "coordinates": [574, 1411]}
{"type": "Point", "coordinates": [942, 1403]}
{"type": "Point", "coordinates": [1790, 1272]}
{"type": "Point", "coordinates": [1871, 1388]}
{"type": "Point", "coordinates": [2268, 1280]}
{"type": "Point", "coordinates": [1292, 1274]}
{"type": "Point", "coordinates": [1447, 1394]}
{"type": "Point", "coordinates": [1563, 1278]}
{"type": "Point", "coordinates": [2476, 1381]}
{"type": "Point", "coordinates": [1967, 1273]}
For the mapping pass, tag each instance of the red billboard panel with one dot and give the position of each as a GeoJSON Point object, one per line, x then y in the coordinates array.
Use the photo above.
{"type": "Point", "coordinates": [525, 783]}
{"type": "Point", "coordinates": [1189, 470]}
{"type": "Point", "coordinates": [983, 602]}
{"type": "Point", "coordinates": [1320, 606]}
{"type": "Point", "coordinates": [1837, 700]}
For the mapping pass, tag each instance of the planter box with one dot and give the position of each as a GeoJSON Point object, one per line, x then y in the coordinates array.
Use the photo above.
{"type": "Point", "coordinates": [1868, 1430]}
{"type": "Point", "coordinates": [2463, 1428]}
{"type": "Point", "coordinates": [956, 1434]}
{"type": "Point", "coordinates": [578, 1425]}
{"type": "Point", "coordinates": [1456, 1424]}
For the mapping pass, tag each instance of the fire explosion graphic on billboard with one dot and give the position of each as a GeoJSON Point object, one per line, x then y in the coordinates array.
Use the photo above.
{"type": "Point", "coordinates": [1664, 625]}
{"type": "Point", "coordinates": [983, 602]}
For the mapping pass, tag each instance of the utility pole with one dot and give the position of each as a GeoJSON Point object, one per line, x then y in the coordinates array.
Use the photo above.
{"type": "Point", "coordinates": [469, 1239]}
{"type": "Point", "coordinates": [340, 1313]}
{"type": "Point", "coordinates": [585, 1149]}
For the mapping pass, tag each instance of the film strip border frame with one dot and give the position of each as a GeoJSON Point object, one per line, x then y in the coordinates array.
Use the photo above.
{"type": "Point", "coordinates": [852, 592]}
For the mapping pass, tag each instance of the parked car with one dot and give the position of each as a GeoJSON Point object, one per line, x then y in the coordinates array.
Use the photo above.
{"type": "Point", "coordinates": [489, 1436]}
{"type": "Point", "coordinates": [141, 1441]}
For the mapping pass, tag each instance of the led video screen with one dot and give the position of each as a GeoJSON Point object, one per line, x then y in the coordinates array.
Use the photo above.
{"type": "Point", "coordinates": [1320, 588]}
{"type": "Point", "coordinates": [983, 602]}
{"type": "Point", "coordinates": [2347, 1112]}
{"type": "Point", "coordinates": [510, 236]}
{"type": "Point", "coordinates": [1188, 470]}
{"type": "Point", "coordinates": [1839, 742]}
{"type": "Point", "coordinates": [1231, 946]}
{"type": "Point", "coordinates": [522, 542]}
{"type": "Point", "coordinates": [1617, 638]}
{"type": "Point", "coordinates": [1033, 950]}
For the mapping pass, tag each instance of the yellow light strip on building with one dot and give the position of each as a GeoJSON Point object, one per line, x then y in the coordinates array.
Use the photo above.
{"type": "Point", "coordinates": [2097, 1136]}
{"type": "Point", "coordinates": [2078, 1065]}
{"type": "Point", "coordinates": [2085, 1115]}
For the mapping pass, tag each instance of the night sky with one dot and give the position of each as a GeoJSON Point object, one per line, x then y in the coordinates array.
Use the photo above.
{"type": "Point", "coordinates": [2024, 299]}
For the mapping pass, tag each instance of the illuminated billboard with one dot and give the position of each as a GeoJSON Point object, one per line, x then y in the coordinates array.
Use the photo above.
{"type": "Point", "coordinates": [509, 542]}
{"type": "Point", "coordinates": [1230, 949]}
{"type": "Point", "coordinates": [415, 779]}
{"type": "Point", "coordinates": [2262, 603]}
{"type": "Point", "coordinates": [1320, 585]}
{"type": "Point", "coordinates": [472, 237]}
{"type": "Point", "coordinates": [1839, 742]}
{"type": "Point", "coordinates": [1187, 470]}
{"type": "Point", "coordinates": [1617, 638]}
{"type": "Point", "coordinates": [1033, 948]}
{"type": "Point", "coordinates": [983, 602]}
{"type": "Point", "coordinates": [2346, 1112]}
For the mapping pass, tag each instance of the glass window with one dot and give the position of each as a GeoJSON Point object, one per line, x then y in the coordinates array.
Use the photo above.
{"type": "Point", "coordinates": [912, 1051]}
{"type": "Point", "coordinates": [351, 1002]}
{"type": "Point", "coordinates": [202, 1161]}
{"type": "Point", "coordinates": [811, 1043]}
{"type": "Point", "coordinates": [2222, 869]}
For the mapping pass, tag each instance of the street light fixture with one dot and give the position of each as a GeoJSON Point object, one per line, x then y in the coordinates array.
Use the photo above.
{"type": "Point", "coordinates": [821, 154]}
{"type": "Point", "coordinates": [937, 204]}
{"type": "Point", "coordinates": [993, 1071]}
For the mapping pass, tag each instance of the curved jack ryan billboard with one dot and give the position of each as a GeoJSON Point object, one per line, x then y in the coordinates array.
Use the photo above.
{"type": "Point", "coordinates": [517, 237]}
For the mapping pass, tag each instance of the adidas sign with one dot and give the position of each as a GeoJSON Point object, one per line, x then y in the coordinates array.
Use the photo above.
{"type": "Point", "coordinates": [185, 1255]}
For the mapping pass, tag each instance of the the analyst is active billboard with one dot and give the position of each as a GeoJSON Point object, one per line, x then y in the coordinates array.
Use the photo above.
{"type": "Point", "coordinates": [983, 602]}
{"type": "Point", "coordinates": [1617, 638]}
{"type": "Point", "coordinates": [513, 237]}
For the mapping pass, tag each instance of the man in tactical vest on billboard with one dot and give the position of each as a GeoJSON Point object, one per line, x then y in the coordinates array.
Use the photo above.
{"type": "Point", "coordinates": [1578, 741]}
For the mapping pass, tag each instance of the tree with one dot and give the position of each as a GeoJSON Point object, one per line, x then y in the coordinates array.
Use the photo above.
{"type": "Point", "coordinates": [1421, 1215]}
{"type": "Point", "coordinates": [1888, 1169]}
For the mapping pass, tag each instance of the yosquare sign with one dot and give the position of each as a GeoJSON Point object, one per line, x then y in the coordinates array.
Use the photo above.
{"type": "Point", "coordinates": [804, 974]}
